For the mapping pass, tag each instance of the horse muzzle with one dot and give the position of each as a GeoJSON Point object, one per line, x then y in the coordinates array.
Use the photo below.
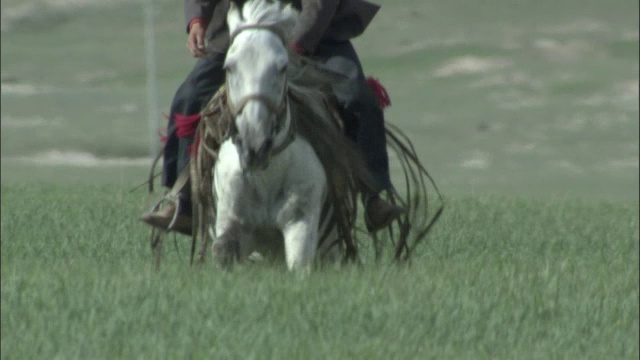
{"type": "Point", "coordinates": [255, 160]}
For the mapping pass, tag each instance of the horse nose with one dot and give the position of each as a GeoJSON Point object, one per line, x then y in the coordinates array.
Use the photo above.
{"type": "Point", "coordinates": [266, 147]}
{"type": "Point", "coordinates": [256, 159]}
{"type": "Point", "coordinates": [262, 154]}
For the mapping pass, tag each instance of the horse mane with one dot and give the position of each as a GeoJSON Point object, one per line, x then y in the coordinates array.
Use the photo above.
{"type": "Point", "coordinates": [265, 11]}
{"type": "Point", "coordinates": [317, 118]}
{"type": "Point", "coordinates": [319, 121]}
{"type": "Point", "coordinates": [279, 16]}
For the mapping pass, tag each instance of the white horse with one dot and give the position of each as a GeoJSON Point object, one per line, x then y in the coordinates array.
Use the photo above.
{"type": "Point", "coordinates": [268, 183]}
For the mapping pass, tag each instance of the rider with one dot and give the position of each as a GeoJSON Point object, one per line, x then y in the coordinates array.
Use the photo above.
{"type": "Point", "coordinates": [323, 33]}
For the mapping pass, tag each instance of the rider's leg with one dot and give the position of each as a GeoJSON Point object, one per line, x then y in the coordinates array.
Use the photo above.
{"type": "Point", "coordinates": [364, 124]}
{"type": "Point", "coordinates": [203, 81]}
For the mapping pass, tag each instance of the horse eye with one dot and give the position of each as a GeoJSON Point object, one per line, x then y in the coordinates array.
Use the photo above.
{"type": "Point", "coordinates": [282, 69]}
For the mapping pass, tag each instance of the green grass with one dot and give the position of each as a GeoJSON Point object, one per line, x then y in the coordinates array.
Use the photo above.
{"type": "Point", "coordinates": [499, 278]}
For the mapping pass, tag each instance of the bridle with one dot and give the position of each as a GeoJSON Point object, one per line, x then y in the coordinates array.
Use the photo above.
{"type": "Point", "coordinates": [279, 109]}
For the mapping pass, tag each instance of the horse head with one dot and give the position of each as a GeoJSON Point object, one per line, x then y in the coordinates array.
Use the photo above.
{"type": "Point", "coordinates": [256, 76]}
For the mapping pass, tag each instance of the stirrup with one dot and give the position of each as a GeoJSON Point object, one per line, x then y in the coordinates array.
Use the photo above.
{"type": "Point", "coordinates": [174, 196]}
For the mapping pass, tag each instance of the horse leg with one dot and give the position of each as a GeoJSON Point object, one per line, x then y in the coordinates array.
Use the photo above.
{"type": "Point", "coordinates": [226, 249]}
{"type": "Point", "coordinates": [332, 250]}
{"type": "Point", "coordinates": [233, 243]}
{"type": "Point", "coordinates": [301, 241]}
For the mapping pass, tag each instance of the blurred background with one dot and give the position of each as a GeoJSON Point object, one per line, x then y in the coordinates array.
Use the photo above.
{"type": "Point", "coordinates": [519, 97]}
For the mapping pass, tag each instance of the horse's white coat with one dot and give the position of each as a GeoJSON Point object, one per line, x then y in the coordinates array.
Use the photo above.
{"type": "Point", "coordinates": [288, 194]}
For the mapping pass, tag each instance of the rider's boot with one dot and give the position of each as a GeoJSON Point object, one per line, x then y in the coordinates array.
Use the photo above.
{"type": "Point", "coordinates": [162, 219]}
{"type": "Point", "coordinates": [379, 213]}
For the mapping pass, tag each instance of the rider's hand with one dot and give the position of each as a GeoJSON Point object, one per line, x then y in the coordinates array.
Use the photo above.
{"type": "Point", "coordinates": [195, 40]}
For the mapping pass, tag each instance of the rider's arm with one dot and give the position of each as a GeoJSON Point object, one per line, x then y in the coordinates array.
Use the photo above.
{"type": "Point", "coordinates": [315, 17]}
{"type": "Point", "coordinates": [198, 11]}
{"type": "Point", "coordinates": [198, 14]}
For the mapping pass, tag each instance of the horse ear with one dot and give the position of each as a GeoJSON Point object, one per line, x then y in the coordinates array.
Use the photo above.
{"type": "Point", "coordinates": [291, 14]}
{"type": "Point", "coordinates": [237, 3]}
{"type": "Point", "coordinates": [289, 10]}
{"type": "Point", "coordinates": [234, 16]}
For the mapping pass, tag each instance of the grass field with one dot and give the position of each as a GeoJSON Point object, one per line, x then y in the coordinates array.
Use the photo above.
{"type": "Point", "coordinates": [525, 112]}
{"type": "Point", "coordinates": [501, 278]}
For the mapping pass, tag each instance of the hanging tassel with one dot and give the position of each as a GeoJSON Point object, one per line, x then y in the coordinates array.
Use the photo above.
{"type": "Point", "coordinates": [162, 134]}
{"type": "Point", "coordinates": [381, 93]}
{"type": "Point", "coordinates": [186, 124]}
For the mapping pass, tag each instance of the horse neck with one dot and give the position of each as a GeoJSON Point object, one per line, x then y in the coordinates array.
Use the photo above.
{"type": "Point", "coordinates": [274, 175]}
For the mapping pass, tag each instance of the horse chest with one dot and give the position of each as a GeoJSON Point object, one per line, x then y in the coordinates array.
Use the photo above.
{"type": "Point", "coordinates": [272, 203]}
{"type": "Point", "coordinates": [253, 197]}
{"type": "Point", "coordinates": [287, 190]}
{"type": "Point", "coordinates": [260, 195]}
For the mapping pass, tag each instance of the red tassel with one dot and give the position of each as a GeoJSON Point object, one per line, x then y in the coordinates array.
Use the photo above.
{"type": "Point", "coordinates": [186, 124]}
{"type": "Point", "coordinates": [162, 133]}
{"type": "Point", "coordinates": [381, 93]}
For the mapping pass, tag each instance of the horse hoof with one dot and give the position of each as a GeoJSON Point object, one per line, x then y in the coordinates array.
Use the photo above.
{"type": "Point", "coordinates": [225, 252]}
